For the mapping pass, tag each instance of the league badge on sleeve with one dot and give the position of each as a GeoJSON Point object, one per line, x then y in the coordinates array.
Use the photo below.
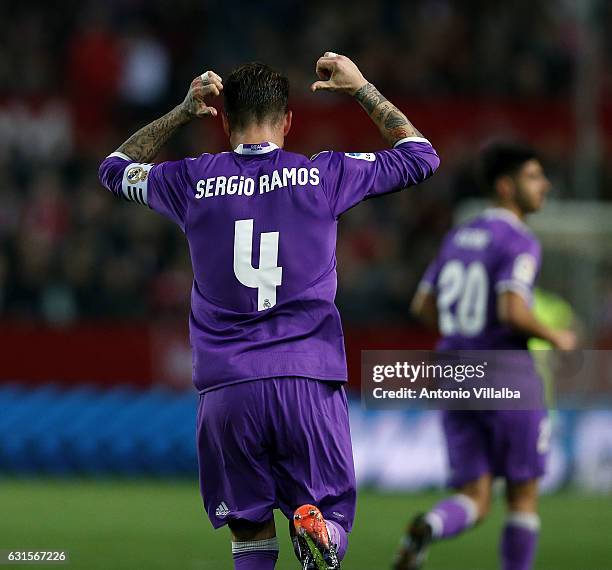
{"type": "Point", "coordinates": [525, 268]}
{"type": "Point", "coordinates": [369, 156]}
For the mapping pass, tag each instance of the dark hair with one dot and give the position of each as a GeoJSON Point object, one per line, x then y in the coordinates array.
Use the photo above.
{"type": "Point", "coordinates": [254, 93]}
{"type": "Point", "coordinates": [503, 159]}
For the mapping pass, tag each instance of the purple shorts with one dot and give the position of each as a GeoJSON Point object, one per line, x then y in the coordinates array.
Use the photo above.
{"type": "Point", "coordinates": [276, 443]}
{"type": "Point", "coordinates": [505, 443]}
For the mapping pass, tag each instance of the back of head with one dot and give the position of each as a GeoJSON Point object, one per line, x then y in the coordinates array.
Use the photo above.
{"type": "Point", "coordinates": [503, 159]}
{"type": "Point", "coordinates": [254, 94]}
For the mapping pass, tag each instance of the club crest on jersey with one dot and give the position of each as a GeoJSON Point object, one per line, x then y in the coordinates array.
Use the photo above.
{"type": "Point", "coordinates": [369, 156]}
{"type": "Point", "coordinates": [136, 174]}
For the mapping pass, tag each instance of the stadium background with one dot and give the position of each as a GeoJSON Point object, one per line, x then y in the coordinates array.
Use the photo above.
{"type": "Point", "coordinates": [96, 408]}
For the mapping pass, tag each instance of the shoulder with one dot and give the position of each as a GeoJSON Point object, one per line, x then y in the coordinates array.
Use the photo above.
{"type": "Point", "coordinates": [196, 165]}
{"type": "Point", "coordinates": [334, 161]}
{"type": "Point", "coordinates": [323, 161]}
{"type": "Point", "coordinates": [323, 158]}
{"type": "Point", "coordinates": [520, 251]}
{"type": "Point", "coordinates": [509, 232]}
{"type": "Point", "coordinates": [519, 240]}
{"type": "Point", "coordinates": [322, 155]}
{"type": "Point", "coordinates": [339, 156]}
{"type": "Point", "coordinates": [204, 158]}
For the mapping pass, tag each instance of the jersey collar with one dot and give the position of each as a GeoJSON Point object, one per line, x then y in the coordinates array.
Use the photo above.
{"type": "Point", "coordinates": [508, 216]}
{"type": "Point", "coordinates": [258, 148]}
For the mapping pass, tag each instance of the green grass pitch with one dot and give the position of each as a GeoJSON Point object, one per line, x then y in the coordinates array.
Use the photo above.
{"type": "Point", "coordinates": [137, 524]}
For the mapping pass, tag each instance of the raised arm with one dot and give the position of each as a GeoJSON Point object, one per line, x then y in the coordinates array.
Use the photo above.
{"type": "Point", "coordinates": [128, 172]}
{"type": "Point", "coordinates": [338, 73]}
{"type": "Point", "coordinates": [144, 145]}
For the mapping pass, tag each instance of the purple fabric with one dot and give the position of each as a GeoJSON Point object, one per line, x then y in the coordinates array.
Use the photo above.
{"type": "Point", "coordinates": [509, 255]}
{"type": "Point", "coordinates": [258, 560]}
{"type": "Point", "coordinates": [518, 547]}
{"type": "Point", "coordinates": [276, 443]}
{"type": "Point", "coordinates": [338, 537]}
{"type": "Point", "coordinates": [293, 328]}
{"type": "Point", "coordinates": [453, 516]}
{"type": "Point", "coordinates": [493, 253]}
{"type": "Point", "coordinates": [505, 443]}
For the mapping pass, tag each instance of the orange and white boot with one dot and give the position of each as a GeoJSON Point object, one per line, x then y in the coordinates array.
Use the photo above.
{"type": "Point", "coordinates": [315, 549]}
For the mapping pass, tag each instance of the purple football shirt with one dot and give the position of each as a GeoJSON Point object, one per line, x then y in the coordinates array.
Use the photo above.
{"type": "Point", "coordinates": [493, 253]}
{"type": "Point", "coordinates": [261, 227]}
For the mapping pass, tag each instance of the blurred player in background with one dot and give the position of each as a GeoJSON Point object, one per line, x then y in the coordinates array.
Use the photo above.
{"type": "Point", "coordinates": [478, 293]}
{"type": "Point", "coordinates": [268, 350]}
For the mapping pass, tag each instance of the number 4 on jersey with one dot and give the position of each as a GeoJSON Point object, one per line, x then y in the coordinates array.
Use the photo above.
{"type": "Point", "coordinates": [268, 276]}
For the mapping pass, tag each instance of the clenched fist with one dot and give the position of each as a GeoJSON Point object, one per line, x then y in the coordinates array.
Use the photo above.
{"type": "Point", "coordinates": [208, 84]}
{"type": "Point", "coordinates": [338, 73]}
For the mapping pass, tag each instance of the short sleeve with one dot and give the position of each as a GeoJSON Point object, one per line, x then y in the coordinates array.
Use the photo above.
{"type": "Point", "coordinates": [351, 177]}
{"type": "Point", "coordinates": [518, 268]}
{"type": "Point", "coordinates": [163, 187]}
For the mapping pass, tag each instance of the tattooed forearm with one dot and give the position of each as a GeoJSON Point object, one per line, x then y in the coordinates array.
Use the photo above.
{"type": "Point", "coordinates": [144, 145]}
{"type": "Point", "coordinates": [394, 120]}
{"type": "Point", "coordinates": [369, 97]}
{"type": "Point", "coordinates": [391, 122]}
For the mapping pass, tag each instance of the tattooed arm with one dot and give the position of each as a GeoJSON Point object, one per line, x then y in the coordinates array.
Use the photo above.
{"type": "Point", "coordinates": [144, 145]}
{"type": "Point", "coordinates": [391, 122]}
{"type": "Point", "coordinates": [339, 73]}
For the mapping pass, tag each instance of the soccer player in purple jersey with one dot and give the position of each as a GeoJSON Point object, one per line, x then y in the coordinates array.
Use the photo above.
{"type": "Point", "coordinates": [268, 350]}
{"type": "Point", "coordinates": [477, 293]}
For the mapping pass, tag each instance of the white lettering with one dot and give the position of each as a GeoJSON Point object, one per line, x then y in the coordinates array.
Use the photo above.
{"type": "Point", "coordinates": [242, 186]}
{"type": "Point", "coordinates": [249, 186]}
{"type": "Point", "coordinates": [302, 176]}
{"type": "Point", "coordinates": [200, 189]}
{"type": "Point", "coordinates": [232, 185]}
{"type": "Point", "coordinates": [209, 185]}
{"type": "Point", "coordinates": [220, 186]}
{"type": "Point", "coordinates": [289, 175]}
{"type": "Point", "coordinates": [276, 180]}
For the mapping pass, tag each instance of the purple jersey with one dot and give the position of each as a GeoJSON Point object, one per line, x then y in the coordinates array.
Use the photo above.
{"type": "Point", "coordinates": [261, 227]}
{"type": "Point", "coordinates": [491, 254]}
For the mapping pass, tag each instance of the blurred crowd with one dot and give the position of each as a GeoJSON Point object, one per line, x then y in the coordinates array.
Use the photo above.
{"type": "Point", "coordinates": [76, 80]}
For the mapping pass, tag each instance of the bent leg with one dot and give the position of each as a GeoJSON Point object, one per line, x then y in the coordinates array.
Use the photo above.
{"type": "Point", "coordinates": [461, 511]}
{"type": "Point", "coordinates": [468, 446]}
{"type": "Point", "coordinates": [313, 464]}
{"type": "Point", "coordinates": [235, 475]}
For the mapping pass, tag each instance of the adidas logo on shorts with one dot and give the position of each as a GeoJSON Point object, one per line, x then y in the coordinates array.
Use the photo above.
{"type": "Point", "coordinates": [222, 510]}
